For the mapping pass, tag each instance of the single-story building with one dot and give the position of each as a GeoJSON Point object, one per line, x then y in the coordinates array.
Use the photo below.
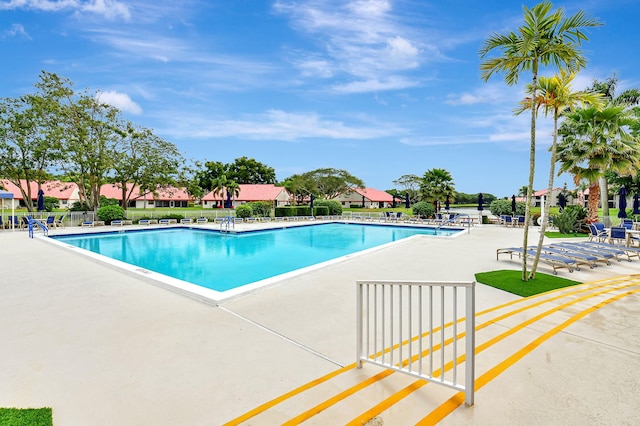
{"type": "Point", "coordinates": [247, 193]}
{"type": "Point", "coordinates": [369, 198]}
{"type": "Point", "coordinates": [163, 197]}
{"type": "Point", "coordinates": [67, 192]}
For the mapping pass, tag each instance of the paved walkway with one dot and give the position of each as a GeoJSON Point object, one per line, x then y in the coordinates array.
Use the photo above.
{"type": "Point", "coordinates": [101, 347]}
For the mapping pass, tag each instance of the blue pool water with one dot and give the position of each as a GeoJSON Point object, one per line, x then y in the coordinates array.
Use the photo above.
{"type": "Point", "coordinates": [226, 261]}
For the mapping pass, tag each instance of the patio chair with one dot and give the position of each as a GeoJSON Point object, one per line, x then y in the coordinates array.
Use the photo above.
{"type": "Point", "coordinates": [596, 232]}
{"type": "Point", "coordinates": [202, 220]}
{"type": "Point", "coordinates": [618, 233]}
{"type": "Point", "coordinates": [50, 222]}
{"type": "Point", "coordinates": [519, 221]}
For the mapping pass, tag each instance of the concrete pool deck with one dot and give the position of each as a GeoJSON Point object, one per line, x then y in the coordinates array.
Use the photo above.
{"type": "Point", "coordinates": [102, 347]}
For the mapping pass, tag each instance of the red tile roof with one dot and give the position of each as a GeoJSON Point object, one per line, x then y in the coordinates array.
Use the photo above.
{"type": "Point", "coordinates": [251, 192]}
{"type": "Point", "coordinates": [375, 195]}
{"type": "Point", "coordinates": [54, 188]}
{"type": "Point", "coordinates": [110, 190]}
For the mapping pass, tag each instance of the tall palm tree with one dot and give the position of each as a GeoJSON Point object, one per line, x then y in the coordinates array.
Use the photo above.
{"type": "Point", "coordinates": [225, 188]}
{"type": "Point", "coordinates": [628, 98]}
{"type": "Point", "coordinates": [546, 38]}
{"type": "Point", "coordinates": [555, 97]}
{"type": "Point", "coordinates": [437, 185]}
{"type": "Point", "coordinates": [595, 141]}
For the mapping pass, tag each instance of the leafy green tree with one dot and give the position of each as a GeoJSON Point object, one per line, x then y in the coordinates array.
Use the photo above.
{"type": "Point", "coordinates": [330, 183]}
{"type": "Point", "coordinates": [408, 184]}
{"type": "Point", "coordinates": [546, 38]}
{"type": "Point", "coordinates": [143, 159]}
{"type": "Point", "coordinates": [249, 171]}
{"type": "Point", "coordinates": [436, 186]}
{"type": "Point", "coordinates": [207, 174]}
{"type": "Point", "coordinates": [555, 97]}
{"type": "Point", "coordinates": [301, 186]}
{"type": "Point", "coordinates": [30, 137]}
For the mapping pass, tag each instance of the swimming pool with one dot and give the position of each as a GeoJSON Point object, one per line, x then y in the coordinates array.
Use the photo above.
{"type": "Point", "coordinates": [226, 261]}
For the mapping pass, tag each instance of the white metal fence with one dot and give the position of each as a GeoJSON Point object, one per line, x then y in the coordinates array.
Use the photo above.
{"type": "Point", "coordinates": [413, 327]}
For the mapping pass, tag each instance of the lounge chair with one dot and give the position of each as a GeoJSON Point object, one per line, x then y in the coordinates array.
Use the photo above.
{"type": "Point", "coordinates": [59, 223]}
{"type": "Point", "coordinates": [167, 221]}
{"type": "Point", "coordinates": [50, 222]}
{"type": "Point", "coordinates": [92, 223]}
{"type": "Point", "coordinates": [589, 257]}
{"type": "Point", "coordinates": [621, 250]}
{"type": "Point", "coordinates": [519, 221]}
{"type": "Point", "coordinates": [601, 249]}
{"type": "Point", "coordinates": [147, 221]}
{"type": "Point", "coordinates": [202, 220]}
{"type": "Point", "coordinates": [186, 220]}
{"type": "Point", "coordinates": [555, 261]}
{"type": "Point", "coordinates": [120, 222]}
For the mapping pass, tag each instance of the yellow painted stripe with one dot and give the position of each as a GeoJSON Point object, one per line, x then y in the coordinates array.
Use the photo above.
{"type": "Point", "coordinates": [445, 409]}
{"type": "Point", "coordinates": [269, 404]}
{"type": "Point", "coordinates": [395, 398]}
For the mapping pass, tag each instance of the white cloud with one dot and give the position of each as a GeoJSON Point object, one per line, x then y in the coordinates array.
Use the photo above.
{"type": "Point", "coordinates": [486, 94]}
{"type": "Point", "coordinates": [122, 101]}
{"type": "Point", "coordinates": [362, 39]}
{"type": "Point", "coordinates": [279, 125]}
{"type": "Point", "coordinates": [373, 85]}
{"type": "Point", "coordinates": [14, 31]}
{"type": "Point", "coordinates": [110, 9]}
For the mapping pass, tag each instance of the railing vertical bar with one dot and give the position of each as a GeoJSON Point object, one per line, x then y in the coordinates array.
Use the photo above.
{"type": "Point", "coordinates": [420, 329]}
{"type": "Point", "coordinates": [367, 303]}
{"type": "Point", "coordinates": [375, 322]}
{"type": "Point", "coordinates": [470, 339]}
{"type": "Point", "coordinates": [409, 316]}
{"type": "Point", "coordinates": [384, 317]}
{"type": "Point", "coordinates": [360, 313]}
{"type": "Point", "coordinates": [400, 358]}
{"type": "Point", "coordinates": [391, 325]}
{"type": "Point", "coordinates": [431, 328]}
{"type": "Point", "coordinates": [455, 334]}
{"type": "Point", "coordinates": [442, 333]}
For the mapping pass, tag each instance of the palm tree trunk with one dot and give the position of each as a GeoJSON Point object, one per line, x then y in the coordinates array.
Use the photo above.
{"type": "Point", "coordinates": [532, 168]}
{"type": "Point", "coordinates": [592, 203]}
{"type": "Point", "coordinates": [604, 200]}
{"type": "Point", "coordinates": [547, 205]}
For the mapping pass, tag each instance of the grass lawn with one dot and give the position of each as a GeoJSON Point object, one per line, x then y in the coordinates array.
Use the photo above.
{"type": "Point", "coordinates": [560, 235]}
{"type": "Point", "coordinates": [511, 281]}
{"type": "Point", "coordinates": [26, 417]}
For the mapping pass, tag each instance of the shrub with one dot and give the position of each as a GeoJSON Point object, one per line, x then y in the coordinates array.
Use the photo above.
{"type": "Point", "coordinates": [500, 207]}
{"type": "Point", "coordinates": [109, 213]}
{"type": "Point", "coordinates": [104, 201]}
{"type": "Point", "coordinates": [244, 211]}
{"type": "Point", "coordinates": [51, 203]}
{"type": "Point", "coordinates": [261, 208]}
{"type": "Point", "coordinates": [79, 206]}
{"type": "Point", "coordinates": [423, 209]}
{"type": "Point", "coordinates": [321, 211]}
{"type": "Point", "coordinates": [571, 220]}
{"type": "Point", "coordinates": [335, 208]}
{"type": "Point", "coordinates": [285, 211]}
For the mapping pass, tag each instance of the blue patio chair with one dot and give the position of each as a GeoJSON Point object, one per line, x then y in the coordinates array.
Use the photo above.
{"type": "Point", "coordinates": [51, 221]}
{"type": "Point", "coordinates": [597, 232]}
{"type": "Point", "coordinates": [618, 233]}
{"type": "Point", "coordinates": [59, 223]}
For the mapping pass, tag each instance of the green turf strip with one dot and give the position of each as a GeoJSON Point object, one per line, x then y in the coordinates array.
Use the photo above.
{"type": "Point", "coordinates": [511, 281]}
{"type": "Point", "coordinates": [560, 235]}
{"type": "Point", "coordinates": [26, 417]}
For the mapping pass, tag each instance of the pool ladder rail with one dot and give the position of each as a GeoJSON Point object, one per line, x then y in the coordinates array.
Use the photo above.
{"type": "Point", "coordinates": [227, 223]}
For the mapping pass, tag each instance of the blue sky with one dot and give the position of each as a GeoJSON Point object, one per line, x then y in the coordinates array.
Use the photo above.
{"type": "Point", "coordinates": [381, 88]}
